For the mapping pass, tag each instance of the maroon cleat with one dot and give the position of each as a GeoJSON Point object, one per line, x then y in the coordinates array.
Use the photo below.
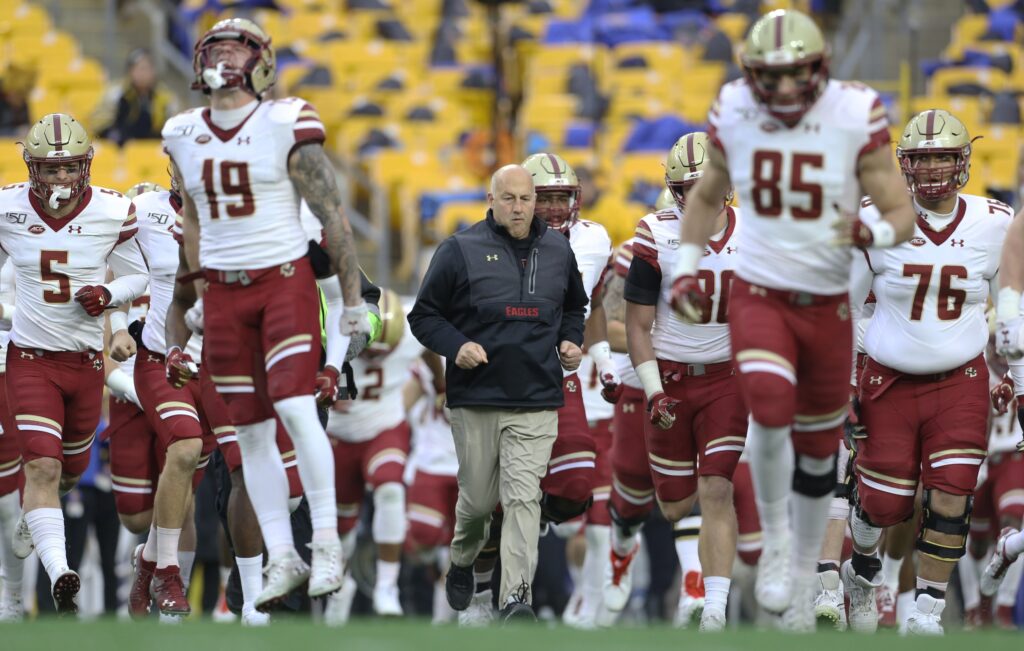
{"type": "Point", "coordinates": [64, 591]}
{"type": "Point", "coordinates": [169, 592]}
{"type": "Point", "coordinates": [1004, 618]}
{"type": "Point", "coordinates": [139, 598]}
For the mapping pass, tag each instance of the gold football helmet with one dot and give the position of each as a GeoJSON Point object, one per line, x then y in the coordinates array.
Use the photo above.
{"type": "Point", "coordinates": [392, 327]}
{"type": "Point", "coordinates": [935, 132]}
{"type": "Point", "coordinates": [551, 174]}
{"type": "Point", "coordinates": [257, 75]}
{"type": "Point", "coordinates": [685, 164]}
{"type": "Point", "coordinates": [785, 41]}
{"type": "Point", "coordinates": [58, 138]}
{"type": "Point", "coordinates": [142, 188]}
{"type": "Point", "coordinates": [665, 200]}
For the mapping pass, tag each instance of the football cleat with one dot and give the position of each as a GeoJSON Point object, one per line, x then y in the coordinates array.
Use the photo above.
{"type": "Point", "coordinates": [861, 592]}
{"type": "Point", "coordinates": [799, 617]}
{"type": "Point", "coordinates": [1004, 618]}
{"type": "Point", "coordinates": [139, 597]}
{"type": "Point", "coordinates": [221, 613]}
{"type": "Point", "coordinates": [254, 618]}
{"type": "Point", "coordinates": [12, 611]}
{"type": "Point", "coordinates": [691, 601]}
{"type": "Point", "coordinates": [712, 622]}
{"type": "Point", "coordinates": [774, 585]}
{"type": "Point", "coordinates": [65, 591]}
{"type": "Point", "coordinates": [885, 598]}
{"type": "Point", "coordinates": [282, 575]}
{"type": "Point", "coordinates": [327, 569]}
{"type": "Point", "coordinates": [386, 602]}
{"type": "Point", "coordinates": [926, 617]}
{"type": "Point", "coordinates": [21, 541]}
{"type": "Point", "coordinates": [618, 579]}
{"type": "Point", "coordinates": [339, 604]}
{"type": "Point", "coordinates": [581, 611]}
{"type": "Point", "coordinates": [829, 604]}
{"type": "Point", "coordinates": [479, 613]}
{"type": "Point", "coordinates": [169, 592]}
{"type": "Point", "coordinates": [997, 565]}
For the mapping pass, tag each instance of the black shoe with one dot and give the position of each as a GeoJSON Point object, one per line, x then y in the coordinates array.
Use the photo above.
{"type": "Point", "coordinates": [517, 612]}
{"type": "Point", "coordinates": [459, 586]}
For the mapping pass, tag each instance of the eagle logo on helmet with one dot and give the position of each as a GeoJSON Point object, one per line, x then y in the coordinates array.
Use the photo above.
{"type": "Point", "coordinates": [935, 132]}
{"type": "Point", "coordinates": [392, 328]}
{"type": "Point", "coordinates": [256, 75]}
{"type": "Point", "coordinates": [552, 176]}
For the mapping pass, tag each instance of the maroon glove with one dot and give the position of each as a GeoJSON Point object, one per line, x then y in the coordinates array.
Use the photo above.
{"type": "Point", "coordinates": [861, 235]}
{"type": "Point", "coordinates": [689, 300]}
{"type": "Point", "coordinates": [611, 386]}
{"type": "Point", "coordinates": [93, 299]}
{"type": "Point", "coordinates": [327, 386]}
{"type": "Point", "coordinates": [180, 368]}
{"type": "Point", "coordinates": [659, 410]}
{"type": "Point", "coordinates": [1002, 395]}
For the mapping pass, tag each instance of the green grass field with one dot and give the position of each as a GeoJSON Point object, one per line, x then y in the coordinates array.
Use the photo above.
{"type": "Point", "coordinates": [378, 635]}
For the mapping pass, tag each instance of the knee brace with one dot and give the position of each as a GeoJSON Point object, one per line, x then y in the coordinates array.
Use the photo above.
{"type": "Point", "coordinates": [560, 509]}
{"type": "Point", "coordinates": [958, 525]}
{"type": "Point", "coordinates": [865, 534]}
{"type": "Point", "coordinates": [814, 477]}
{"type": "Point", "coordinates": [389, 513]}
{"type": "Point", "coordinates": [627, 526]}
{"type": "Point", "coordinates": [772, 398]}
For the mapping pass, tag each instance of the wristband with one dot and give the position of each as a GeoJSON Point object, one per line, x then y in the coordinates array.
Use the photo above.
{"type": "Point", "coordinates": [650, 377]}
{"type": "Point", "coordinates": [171, 350]}
{"type": "Point", "coordinates": [118, 321]}
{"type": "Point", "coordinates": [688, 257]}
{"type": "Point", "coordinates": [601, 353]}
{"type": "Point", "coordinates": [1007, 304]}
{"type": "Point", "coordinates": [883, 235]}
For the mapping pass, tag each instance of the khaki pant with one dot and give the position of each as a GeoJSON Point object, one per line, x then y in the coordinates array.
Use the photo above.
{"type": "Point", "coordinates": [503, 454]}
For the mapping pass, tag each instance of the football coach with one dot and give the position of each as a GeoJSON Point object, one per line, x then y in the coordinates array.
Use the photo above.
{"type": "Point", "coordinates": [503, 303]}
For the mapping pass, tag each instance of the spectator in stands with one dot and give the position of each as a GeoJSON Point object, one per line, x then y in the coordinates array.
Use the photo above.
{"type": "Point", "coordinates": [15, 86]}
{"type": "Point", "coordinates": [139, 106]}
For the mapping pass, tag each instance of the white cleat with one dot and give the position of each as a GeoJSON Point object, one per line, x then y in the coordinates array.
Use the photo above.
{"type": "Point", "coordinates": [799, 617]}
{"type": "Point", "coordinates": [994, 572]}
{"type": "Point", "coordinates": [21, 541]}
{"type": "Point", "coordinates": [618, 579]}
{"type": "Point", "coordinates": [774, 585]}
{"type": "Point", "coordinates": [386, 602]}
{"type": "Point", "coordinates": [926, 617]}
{"type": "Point", "coordinates": [281, 576]}
{"type": "Point", "coordinates": [863, 604]}
{"type": "Point", "coordinates": [339, 604]}
{"type": "Point", "coordinates": [325, 575]}
{"type": "Point", "coordinates": [12, 611]}
{"type": "Point", "coordinates": [170, 620]}
{"type": "Point", "coordinates": [712, 622]}
{"type": "Point", "coordinates": [689, 611]}
{"type": "Point", "coordinates": [579, 613]}
{"type": "Point", "coordinates": [253, 617]}
{"type": "Point", "coordinates": [480, 612]}
{"type": "Point", "coordinates": [829, 605]}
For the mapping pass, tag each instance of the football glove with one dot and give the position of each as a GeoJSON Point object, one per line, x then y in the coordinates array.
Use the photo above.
{"type": "Point", "coordinates": [1002, 395]}
{"type": "Point", "coordinates": [355, 320]}
{"type": "Point", "coordinates": [659, 410]}
{"type": "Point", "coordinates": [1010, 338]}
{"type": "Point", "coordinates": [180, 367]}
{"type": "Point", "coordinates": [93, 299]}
{"type": "Point", "coordinates": [327, 386]}
{"type": "Point", "coordinates": [688, 299]}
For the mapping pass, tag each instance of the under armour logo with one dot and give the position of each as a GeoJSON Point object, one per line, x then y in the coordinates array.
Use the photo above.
{"type": "Point", "coordinates": [875, 379]}
{"type": "Point", "coordinates": [167, 603]}
{"type": "Point", "coordinates": [812, 128]}
{"type": "Point", "coordinates": [75, 230]}
{"type": "Point", "coordinates": [244, 140]}
{"type": "Point", "coordinates": [570, 386]}
{"type": "Point", "coordinates": [731, 249]}
{"type": "Point", "coordinates": [956, 243]}
{"type": "Point", "coordinates": [492, 258]}
{"type": "Point", "coordinates": [760, 291]}
{"type": "Point", "coordinates": [25, 355]}
{"type": "Point", "coordinates": [970, 372]}
{"type": "Point", "coordinates": [153, 358]}
{"type": "Point", "coordinates": [288, 270]}
{"type": "Point", "coordinates": [628, 408]}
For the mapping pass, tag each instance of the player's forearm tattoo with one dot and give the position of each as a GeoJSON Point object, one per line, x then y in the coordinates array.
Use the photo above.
{"type": "Point", "coordinates": [313, 176]}
{"type": "Point", "coordinates": [614, 303]}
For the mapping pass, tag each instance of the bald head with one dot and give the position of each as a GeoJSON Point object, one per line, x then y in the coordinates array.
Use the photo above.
{"type": "Point", "coordinates": [512, 199]}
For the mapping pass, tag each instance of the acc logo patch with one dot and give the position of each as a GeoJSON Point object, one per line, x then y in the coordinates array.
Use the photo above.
{"type": "Point", "coordinates": [203, 138]}
{"type": "Point", "coordinates": [36, 229]}
{"type": "Point", "coordinates": [917, 241]}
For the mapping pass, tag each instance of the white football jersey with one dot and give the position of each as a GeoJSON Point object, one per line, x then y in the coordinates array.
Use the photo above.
{"type": "Point", "coordinates": [379, 405]}
{"type": "Point", "coordinates": [6, 296]}
{"type": "Point", "coordinates": [597, 408]}
{"type": "Point", "coordinates": [157, 213]}
{"type": "Point", "coordinates": [790, 181]}
{"type": "Point", "coordinates": [656, 242]}
{"type": "Point", "coordinates": [931, 291]}
{"type": "Point", "coordinates": [248, 207]}
{"type": "Point", "coordinates": [1004, 431]}
{"type": "Point", "coordinates": [54, 258]}
{"type": "Point", "coordinates": [433, 448]}
{"type": "Point", "coordinates": [592, 247]}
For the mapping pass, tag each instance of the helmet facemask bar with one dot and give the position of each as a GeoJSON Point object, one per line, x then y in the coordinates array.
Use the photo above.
{"type": "Point", "coordinates": [206, 73]}
{"type": "Point", "coordinates": [558, 217]}
{"type": "Point", "coordinates": [680, 188]}
{"type": "Point", "coordinates": [57, 195]}
{"type": "Point", "coordinates": [935, 183]}
{"type": "Point", "coordinates": [788, 108]}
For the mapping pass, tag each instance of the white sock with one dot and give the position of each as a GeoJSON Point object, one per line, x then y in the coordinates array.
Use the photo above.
{"type": "Point", "coordinates": [387, 574]}
{"type": "Point", "coordinates": [167, 547]}
{"type": "Point", "coordinates": [891, 572]}
{"type": "Point", "coordinates": [624, 542]}
{"type": "Point", "coordinates": [810, 517]}
{"type": "Point", "coordinates": [250, 572]}
{"type": "Point", "coordinates": [1007, 595]}
{"type": "Point", "coordinates": [267, 484]}
{"type": "Point", "coordinates": [1015, 544]}
{"type": "Point", "coordinates": [716, 593]}
{"type": "Point", "coordinates": [47, 527]}
{"type": "Point", "coordinates": [188, 559]}
{"type": "Point", "coordinates": [316, 461]}
{"type": "Point", "coordinates": [771, 467]}
{"type": "Point", "coordinates": [225, 574]}
{"type": "Point", "coordinates": [906, 603]}
{"type": "Point", "coordinates": [967, 569]}
{"type": "Point", "coordinates": [11, 567]}
{"type": "Point", "coordinates": [149, 551]}
{"type": "Point", "coordinates": [598, 542]}
{"type": "Point", "coordinates": [687, 545]}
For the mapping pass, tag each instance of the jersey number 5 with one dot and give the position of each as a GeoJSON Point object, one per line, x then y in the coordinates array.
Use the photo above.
{"type": "Point", "coordinates": [767, 176]}
{"type": "Point", "coordinates": [951, 301]}
{"type": "Point", "coordinates": [46, 261]}
{"type": "Point", "coordinates": [231, 185]}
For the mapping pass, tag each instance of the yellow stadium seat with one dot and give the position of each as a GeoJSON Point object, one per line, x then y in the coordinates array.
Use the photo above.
{"type": "Point", "coordinates": [25, 18]}
{"type": "Point", "coordinates": [145, 160]}
{"type": "Point", "coordinates": [734, 25]}
{"type": "Point", "coordinates": [969, 28]}
{"type": "Point", "coordinates": [457, 214]}
{"type": "Point", "coordinates": [641, 166]}
{"type": "Point", "coordinates": [991, 78]}
{"type": "Point", "coordinates": [107, 169]}
{"type": "Point", "coordinates": [1000, 158]}
{"type": "Point", "coordinates": [308, 25]}
{"type": "Point", "coordinates": [79, 72]}
{"type": "Point", "coordinates": [12, 165]}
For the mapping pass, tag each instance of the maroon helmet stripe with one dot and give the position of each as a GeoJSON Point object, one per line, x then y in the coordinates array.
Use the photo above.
{"type": "Point", "coordinates": [689, 152]}
{"type": "Point", "coordinates": [56, 132]}
{"type": "Point", "coordinates": [778, 30]}
{"type": "Point", "coordinates": [554, 164]}
{"type": "Point", "coordinates": [930, 125]}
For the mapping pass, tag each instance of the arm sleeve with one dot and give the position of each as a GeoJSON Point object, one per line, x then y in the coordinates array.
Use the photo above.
{"type": "Point", "coordinates": [337, 344]}
{"type": "Point", "coordinates": [370, 292]}
{"type": "Point", "coordinates": [574, 306]}
{"type": "Point", "coordinates": [643, 282]}
{"type": "Point", "coordinates": [428, 317]}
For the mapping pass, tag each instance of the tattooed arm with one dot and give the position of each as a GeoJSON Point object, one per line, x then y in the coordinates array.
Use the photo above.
{"type": "Point", "coordinates": [615, 310]}
{"type": "Point", "coordinates": [313, 176]}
